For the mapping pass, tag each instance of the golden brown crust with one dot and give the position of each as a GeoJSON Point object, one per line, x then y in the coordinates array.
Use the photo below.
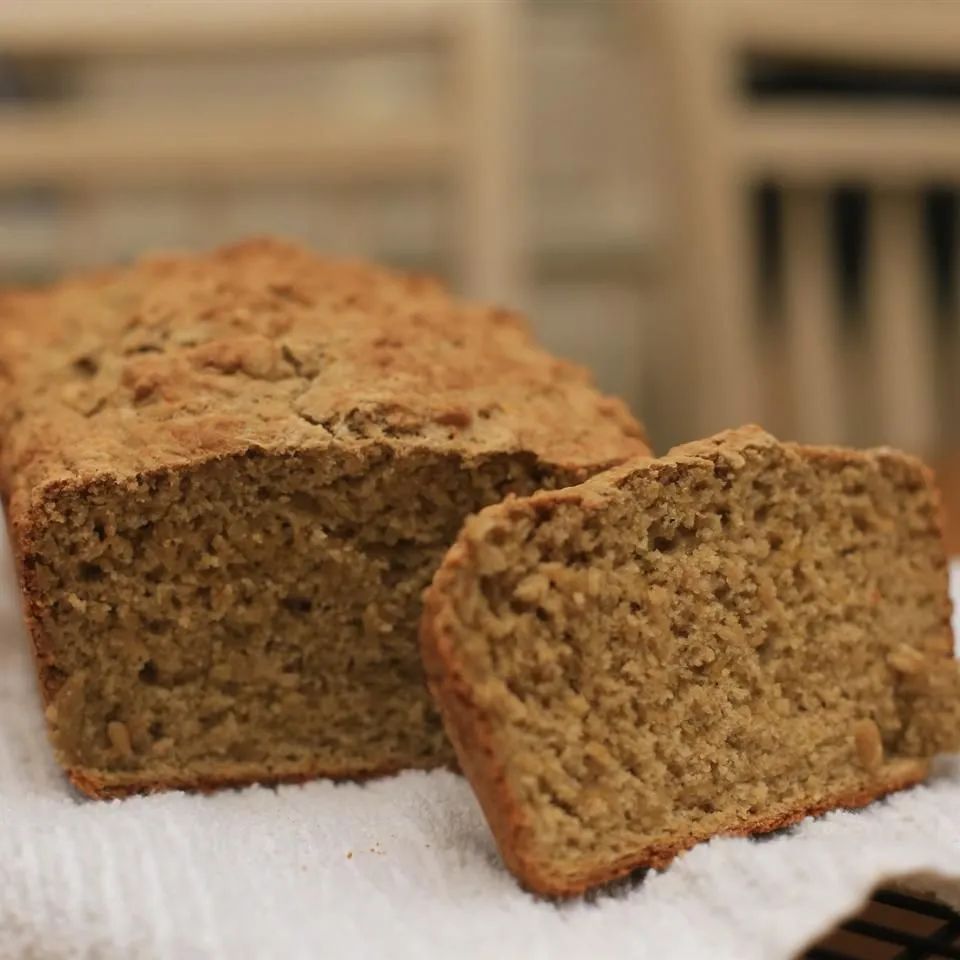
{"type": "Point", "coordinates": [469, 728]}
{"type": "Point", "coordinates": [265, 344]}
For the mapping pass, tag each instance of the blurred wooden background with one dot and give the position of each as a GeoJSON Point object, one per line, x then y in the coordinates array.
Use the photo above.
{"type": "Point", "coordinates": [814, 246]}
{"type": "Point", "coordinates": [457, 137]}
{"type": "Point", "coordinates": [731, 210]}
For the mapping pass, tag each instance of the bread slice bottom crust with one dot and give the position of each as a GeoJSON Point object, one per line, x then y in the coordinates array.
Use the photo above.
{"type": "Point", "coordinates": [113, 786]}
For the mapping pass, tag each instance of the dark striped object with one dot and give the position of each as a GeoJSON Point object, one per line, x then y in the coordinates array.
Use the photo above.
{"type": "Point", "coordinates": [893, 926]}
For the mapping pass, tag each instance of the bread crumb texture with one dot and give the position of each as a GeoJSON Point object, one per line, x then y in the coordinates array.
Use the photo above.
{"type": "Point", "coordinates": [229, 478]}
{"type": "Point", "coordinates": [720, 641]}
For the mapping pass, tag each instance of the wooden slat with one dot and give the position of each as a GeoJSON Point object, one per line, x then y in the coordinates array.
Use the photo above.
{"type": "Point", "coordinates": [492, 221]}
{"type": "Point", "coordinates": [68, 27]}
{"type": "Point", "coordinates": [827, 143]}
{"type": "Point", "coordinates": [812, 317]}
{"type": "Point", "coordinates": [712, 376]}
{"type": "Point", "coordinates": [920, 34]}
{"type": "Point", "coordinates": [898, 301]}
{"type": "Point", "coordinates": [105, 148]}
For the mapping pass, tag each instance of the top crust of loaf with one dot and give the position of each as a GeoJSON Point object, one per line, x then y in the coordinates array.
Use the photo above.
{"type": "Point", "coordinates": [727, 445]}
{"type": "Point", "coordinates": [266, 345]}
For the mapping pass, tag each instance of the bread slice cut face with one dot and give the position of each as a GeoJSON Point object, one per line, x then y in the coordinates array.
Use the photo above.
{"type": "Point", "coordinates": [720, 641]}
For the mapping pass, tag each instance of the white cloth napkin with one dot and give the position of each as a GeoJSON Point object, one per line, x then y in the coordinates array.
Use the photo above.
{"type": "Point", "coordinates": [401, 867]}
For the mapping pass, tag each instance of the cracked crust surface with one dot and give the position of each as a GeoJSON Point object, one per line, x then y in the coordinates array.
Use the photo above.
{"type": "Point", "coordinates": [721, 641]}
{"type": "Point", "coordinates": [264, 344]}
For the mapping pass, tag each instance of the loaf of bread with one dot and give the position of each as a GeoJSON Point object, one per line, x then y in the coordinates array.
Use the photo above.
{"type": "Point", "coordinates": [228, 479]}
{"type": "Point", "coordinates": [720, 641]}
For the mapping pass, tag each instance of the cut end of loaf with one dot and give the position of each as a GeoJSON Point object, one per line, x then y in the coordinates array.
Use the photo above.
{"type": "Point", "coordinates": [251, 618]}
{"type": "Point", "coordinates": [721, 641]}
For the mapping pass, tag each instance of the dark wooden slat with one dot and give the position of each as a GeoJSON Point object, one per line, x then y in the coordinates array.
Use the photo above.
{"type": "Point", "coordinates": [889, 935]}
{"type": "Point", "coordinates": [948, 933]}
{"type": "Point", "coordinates": [825, 953]}
{"type": "Point", "coordinates": [904, 901]}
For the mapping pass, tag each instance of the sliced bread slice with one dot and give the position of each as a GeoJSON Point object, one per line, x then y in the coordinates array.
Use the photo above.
{"type": "Point", "coordinates": [721, 641]}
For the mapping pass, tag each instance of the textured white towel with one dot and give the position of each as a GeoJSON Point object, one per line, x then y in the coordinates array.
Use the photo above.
{"type": "Point", "coordinates": [402, 867]}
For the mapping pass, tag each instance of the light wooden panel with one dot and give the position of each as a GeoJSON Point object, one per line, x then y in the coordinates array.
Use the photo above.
{"type": "Point", "coordinates": [812, 317]}
{"type": "Point", "coordinates": [492, 221]}
{"type": "Point", "coordinates": [70, 146]}
{"type": "Point", "coordinates": [714, 350]}
{"type": "Point", "coordinates": [121, 26]}
{"type": "Point", "coordinates": [898, 301]}
{"type": "Point", "coordinates": [921, 33]}
{"type": "Point", "coordinates": [827, 143]}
